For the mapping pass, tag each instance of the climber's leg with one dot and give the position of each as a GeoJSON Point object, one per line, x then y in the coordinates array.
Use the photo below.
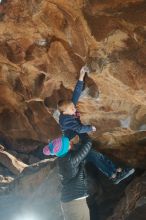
{"type": "Point", "coordinates": [105, 165]}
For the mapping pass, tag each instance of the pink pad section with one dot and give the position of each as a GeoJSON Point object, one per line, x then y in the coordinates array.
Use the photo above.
{"type": "Point", "coordinates": [46, 150]}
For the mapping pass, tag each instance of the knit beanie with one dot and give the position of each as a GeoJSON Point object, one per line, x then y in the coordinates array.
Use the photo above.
{"type": "Point", "coordinates": [58, 147]}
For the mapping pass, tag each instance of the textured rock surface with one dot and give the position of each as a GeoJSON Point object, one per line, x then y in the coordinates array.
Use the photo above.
{"type": "Point", "coordinates": [43, 45]}
{"type": "Point", "coordinates": [14, 165]}
{"type": "Point", "coordinates": [133, 204]}
{"type": "Point", "coordinates": [34, 193]}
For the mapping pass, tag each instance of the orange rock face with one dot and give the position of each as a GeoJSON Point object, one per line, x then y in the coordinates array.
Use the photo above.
{"type": "Point", "coordinates": [43, 45]}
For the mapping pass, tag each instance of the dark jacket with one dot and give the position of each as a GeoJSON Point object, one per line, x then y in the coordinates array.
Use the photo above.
{"type": "Point", "coordinates": [72, 173]}
{"type": "Point", "coordinates": [70, 124]}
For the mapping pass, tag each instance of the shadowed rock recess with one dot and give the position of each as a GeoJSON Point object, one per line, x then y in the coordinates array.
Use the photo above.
{"type": "Point", "coordinates": [43, 45]}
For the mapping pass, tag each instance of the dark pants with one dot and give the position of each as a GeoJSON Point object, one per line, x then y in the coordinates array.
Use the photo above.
{"type": "Point", "coordinates": [105, 165]}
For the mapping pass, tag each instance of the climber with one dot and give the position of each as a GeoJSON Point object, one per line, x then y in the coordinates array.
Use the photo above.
{"type": "Point", "coordinates": [69, 117]}
{"type": "Point", "coordinates": [71, 126]}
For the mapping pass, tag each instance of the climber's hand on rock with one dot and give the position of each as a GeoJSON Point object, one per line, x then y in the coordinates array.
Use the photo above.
{"type": "Point", "coordinates": [83, 71]}
{"type": "Point", "coordinates": [93, 128]}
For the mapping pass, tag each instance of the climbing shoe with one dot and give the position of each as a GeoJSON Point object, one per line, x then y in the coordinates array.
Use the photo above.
{"type": "Point", "coordinates": [123, 175]}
